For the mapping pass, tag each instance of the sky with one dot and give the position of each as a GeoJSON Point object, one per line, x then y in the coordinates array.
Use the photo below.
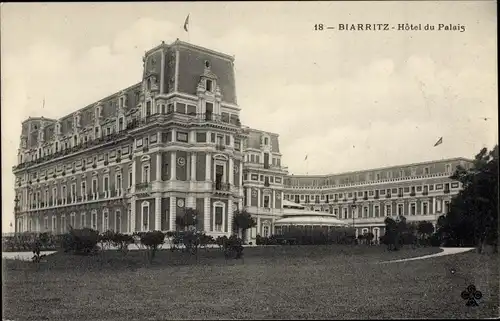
{"type": "Point", "coordinates": [350, 100]}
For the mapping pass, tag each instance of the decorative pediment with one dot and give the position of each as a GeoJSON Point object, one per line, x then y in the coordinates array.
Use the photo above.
{"type": "Point", "coordinates": [220, 157]}
{"type": "Point", "coordinates": [266, 191]}
{"type": "Point", "coordinates": [118, 169]}
{"type": "Point", "coordinates": [218, 203]}
{"type": "Point", "coordinates": [106, 170]}
{"type": "Point", "coordinates": [145, 158]}
{"type": "Point", "coordinates": [95, 173]}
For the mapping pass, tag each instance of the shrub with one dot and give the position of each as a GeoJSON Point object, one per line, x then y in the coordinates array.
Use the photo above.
{"type": "Point", "coordinates": [80, 241]}
{"type": "Point", "coordinates": [233, 247]}
{"type": "Point", "coordinates": [122, 241]}
{"type": "Point", "coordinates": [106, 238]}
{"type": "Point", "coordinates": [152, 240]}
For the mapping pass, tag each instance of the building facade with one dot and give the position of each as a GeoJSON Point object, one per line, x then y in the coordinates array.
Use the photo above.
{"type": "Point", "coordinates": [137, 159]}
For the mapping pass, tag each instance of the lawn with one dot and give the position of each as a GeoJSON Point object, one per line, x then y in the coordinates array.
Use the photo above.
{"type": "Point", "coordinates": [292, 282]}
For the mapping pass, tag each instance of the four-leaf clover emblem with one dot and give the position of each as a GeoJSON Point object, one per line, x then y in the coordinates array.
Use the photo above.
{"type": "Point", "coordinates": [472, 296]}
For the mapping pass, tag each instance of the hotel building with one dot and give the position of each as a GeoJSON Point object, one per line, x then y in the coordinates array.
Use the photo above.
{"type": "Point", "coordinates": [135, 160]}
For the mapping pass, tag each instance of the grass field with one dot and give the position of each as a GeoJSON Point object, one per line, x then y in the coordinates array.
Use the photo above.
{"type": "Point", "coordinates": [293, 282]}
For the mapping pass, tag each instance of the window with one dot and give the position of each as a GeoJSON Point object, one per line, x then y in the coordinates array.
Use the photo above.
{"type": "Point", "coordinates": [46, 223]}
{"type": "Point", "coordinates": [145, 216]}
{"type": "Point", "coordinates": [218, 218]}
{"type": "Point", "coordinates": [118, 221]}
{"type": "Point", "coordinates": [93, 220]}
{"type": "Point", "coordinates": [119, 182]}
{"type": "Point", "coordinates": [54, 224]}
{"type": "Point", "coordinates": [438, 206]}
{"type": "Point", "coordinates": [72, 220]}
{"type": "Point", "coordinates": [130, 177]}
{"type": "Point", "coordinates": [106, 184]}
{"type": "Point", "coordinates": [425, 208]}
{"type": "Point", "coordinates": [266, 141]}
{"type": "Point", "coordinates": [401, 173]}
{"type": "Point", "coordinates": [145, 174]}
{"type": "Point", "coordinates": [209, 110]}
{"type": "Point", "coordinates": [400, 209]}
{"type": "Point", "coordinates": [266, 201]}
{"type": "Point", "coordinates": [377, 212]}
{"type": "Point", "coordinates": [426, 170]}
{"type": "Point", "coordinates": [54, 194]}
{"type": "Point", "coordinates": [448, 168]}
{"type": "Point", "coordinates": [148, 108]}
{"type": "Point", "coordinates": [265, 230]}
{"type": "Point", "coordinates": [84, 190]}
{"type": "Point", "coordinates": [105, 221]}
{"type": "Point", "coordinates": [63, 224]}
{"type": "Point", "coordinates": [413, 209]}
{"type": "Point", "coordinates": [94, 187]}
{"type": "Point", "coordinates": [387, 210]}
{"type": "Point", "coordinates": [345, 213]}
{"type": "Point", "coordinates": [365, 211]}
{"type": "Point", "coordinates": [73, 193]}
{"type": "Point", "coordinates": [64, 196]}
{"type": "Point", "coordinates": [83, 220]}
{"type": "Point", "coordinates": [209, 85]}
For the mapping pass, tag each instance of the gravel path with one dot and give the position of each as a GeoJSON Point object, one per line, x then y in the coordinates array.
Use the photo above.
{"type": "Point", "coordinates": [444, 251]}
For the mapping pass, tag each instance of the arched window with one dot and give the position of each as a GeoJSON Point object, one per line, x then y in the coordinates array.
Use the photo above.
{"type": "Point", "coordinates": [266, 231]}
{"type": "Point", "coordinates": [145, 216]}
{"type": "Point", "coordinates": [146, 173]}
{"type": "Point", "coordinates": [266, 141]}
{"type": "Point", "coordinates": [105, 220]}
{"type": "Point", "coordinates": [118, 221]}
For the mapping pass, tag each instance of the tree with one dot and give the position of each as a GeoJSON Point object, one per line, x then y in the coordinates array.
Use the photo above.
{"type": "Point", "coordinates": [369, 236]}
{"type": "Point", "coordinates": [473, 215]}
{"type": "Point", "coordinates": [425, 229]}
{"type": "Point", "coordinates": [189, 219]}
{"type": "Point", "coordinates": [394, 233]}
{"type": "Point", "coordinates": [152, 240]}
{"type": "Point", "coordinates": [242, 221]}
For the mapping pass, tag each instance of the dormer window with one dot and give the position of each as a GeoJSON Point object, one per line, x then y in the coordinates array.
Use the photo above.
{"type": "Point", "coordinates": [266, 141]}
{"type": "Point", "coordinates": [209, 85]}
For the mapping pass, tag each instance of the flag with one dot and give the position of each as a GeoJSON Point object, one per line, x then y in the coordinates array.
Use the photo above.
{"type": "Point", "coordinates": [440, 141]}
{"type": "Point", "coordinates": [186, 23]}
{"type": "Point", "coordinates": [43, 104]}
{"type": "Point", "coordinates": [306, 157]}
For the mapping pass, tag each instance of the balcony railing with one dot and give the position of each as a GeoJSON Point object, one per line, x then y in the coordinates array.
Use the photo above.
{"type": "Point", "coordinates": [81, 146]}
{"type": "Point", "coordinates": [222, 187]}
{"type": "Point", "coordinates": [141, 187]}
